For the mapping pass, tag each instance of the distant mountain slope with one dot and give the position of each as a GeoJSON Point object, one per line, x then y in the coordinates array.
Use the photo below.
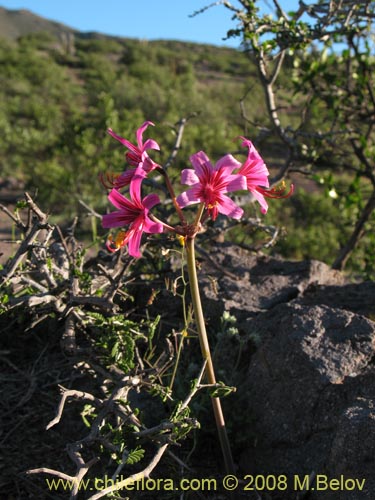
{"type": "Point", "coordinates": [16, 23]}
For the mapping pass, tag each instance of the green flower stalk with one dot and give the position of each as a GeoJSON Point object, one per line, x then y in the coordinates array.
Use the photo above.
{"type": "Point", "coordinates": [206, 353]}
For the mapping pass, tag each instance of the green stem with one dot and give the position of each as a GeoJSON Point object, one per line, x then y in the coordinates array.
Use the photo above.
{"type": "Point", "coordinates": [179, 350]}
{"type": "Point", "coordinates": [187, 320]}
{"type": "Point", "coordinates": [205, 348]}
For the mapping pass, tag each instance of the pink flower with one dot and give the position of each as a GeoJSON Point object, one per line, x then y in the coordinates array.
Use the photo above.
{"type": "Point", "coordinates": [210, 183]}
{"type": "Point", "coordinates": [118, 181]}
{"type": "Point", "coordinates": [136, 155]}
{"type": "Point", "coordinates": [134, 213]}
{"type": "Point", "coordinates": [256, 173]}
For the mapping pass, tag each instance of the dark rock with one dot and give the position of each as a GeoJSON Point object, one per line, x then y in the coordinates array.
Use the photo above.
{"type": "Point", "coordinates": [305, 401]}
{"type": "Point", "coordinates": [245, 284]}
{"type": "Point", "coordinates": [312, 363]}
{"type": "Point", "coordinates": [355, 297]}
{"type": "Point", "coordinates": [352, 451]}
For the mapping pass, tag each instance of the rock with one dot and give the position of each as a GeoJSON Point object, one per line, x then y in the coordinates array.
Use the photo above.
{"type": "Point", "coordinates": [312, 364]}
{"type": "Point", "coordinates": [355, 297]}
{"type": "Point", "coordinates": [245, 284]}
{"type": "Point", "coordinates": [305, 400]}
{"type": "Point", "coordinates": [352, 450]}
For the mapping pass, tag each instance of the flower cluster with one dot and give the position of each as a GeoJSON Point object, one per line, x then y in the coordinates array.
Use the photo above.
{"type": "Point", "coordinates": [209, 186]}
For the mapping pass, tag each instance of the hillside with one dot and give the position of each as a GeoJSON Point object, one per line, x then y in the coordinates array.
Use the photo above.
{"type": "Point", "coordinates": [61, 90]}
{"type": "Point", "coordinates": [16, 23]}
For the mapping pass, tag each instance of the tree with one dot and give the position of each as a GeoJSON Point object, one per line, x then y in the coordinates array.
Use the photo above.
{"type": "Point", "coordinates": [327, 50]}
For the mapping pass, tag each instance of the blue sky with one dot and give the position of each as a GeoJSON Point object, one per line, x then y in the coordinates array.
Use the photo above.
{"type": "Point", "coordinates": [145, 19]}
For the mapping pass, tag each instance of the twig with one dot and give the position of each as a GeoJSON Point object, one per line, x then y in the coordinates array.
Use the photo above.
{"type": "Point", "coordinates": [134, 477]}
{"type": "Point", "coordinates": [164, 426]}
{"type": "Point", "coordinates": [71, 394]}
{"type": "Point", "coordinates": [53, 472]}
{"type": "Point", "coordinates": [90, 210]}
{"type": "Point", "coordinates": [68, 339]}
{"type": "Point", "coordinates": [35, 300]}
{"type": "Point", "coordinates": [195, 388]}
{"type": "Point", "coordinates": [15, 218]}
{"type": "Point", "coordinates": [181, 127]}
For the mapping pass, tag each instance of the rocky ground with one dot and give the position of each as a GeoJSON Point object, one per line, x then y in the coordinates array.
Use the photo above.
{"type": "Point", "coordinates": [309, 387]}
{"type": "Point", "coordinates": [302, 361]}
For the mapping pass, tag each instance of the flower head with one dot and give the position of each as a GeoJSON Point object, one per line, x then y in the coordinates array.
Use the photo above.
{"type": "Point", "coordinates": [256, 173]}
{"type": "Point", "coordinates": [136, 155]}
{"type": "Point", "coordinates": [210, 183]}
{"type": "Point", "coordinates": [132, 213]}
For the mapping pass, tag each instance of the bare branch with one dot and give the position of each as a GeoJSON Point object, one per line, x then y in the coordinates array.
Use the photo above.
{"type": "Point", "coordinates": [135, 477]}
{"type": "Point", "coordinates": [71, 394]}
{"type": "Point", "coordinates": [52, 472]}
{"type": "Point", "coordinates": [180, 131]}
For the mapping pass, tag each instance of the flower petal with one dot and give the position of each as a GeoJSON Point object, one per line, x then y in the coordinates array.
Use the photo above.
{"type": "Point", "coordinates": [229, 208]}
{"type": "Point", "coordinates": [151, 144]}
{"type": "Point", "coordinates": [187, 198]}
{"type": "Point", "coordinates": [124, 179]}
{"type": "Point", "coordinates": [235, 182]}
{"type": "Point", "coordinates": [140, 131]}
{"type": "Point", "coordinates": [134, 243]}
{"type": "Point", "coordinates": [189, 177]}
{"type": "Point", "coordinates": [135, 185]}
{"type": "Point", "coordinates": [201, 163]}
{"type": "Point", "coordinates": [123, 141]}
{"type": "Point", "coordinates": [119, 201]}
{"type": "Point", "coordinates": [261, 200]}
{"type": "Point", "coordinates": [228, 162]}
{"type": "Point", "coordinates": [150, 226]}
{"type": "Point", "coordinates": [115, 219]}
{"type": "Point", "coordinates": [254, 167]}
{"type": "Point", "coordinates": [150, 201]}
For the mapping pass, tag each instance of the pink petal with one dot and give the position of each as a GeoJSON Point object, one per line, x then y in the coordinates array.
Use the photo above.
{"type": "Point", "coordinates": [134, 243]}
{"type": "Point", "coordinates": [123, 141]}
{"type": "Point", "coordinates": [147, 164]}
{"type": "Point", "coordinates": [189, 177]}
{"type": "Point", "coordinates": [135, 185]}
{"type": "Point", "coordinates": [187, 198]}
{"type": "Point", "coordinates": [119, 201]}
{"type": "Point", "coordinates": [150, 201]}
{"type": "Point", "coordinates": [150, 226]}
{"type": "Point", "coordinates": [124, 179]}
{"type": "Point", "coordinates": [256, 172]}
{"type": "Point", "coordinates": [228, 162]}
{"type": "Point", "coordinates": [248, 144]}
{"type": "Point", "coordinates": [151, 144]}
{"type": "Point", "coordinates": [201, 162]}
{"type": "Point", "coordinates": [115, 219]}
{"type": "Point", "coordinates": [229, 208]}
{"type": "Point", "coordinates": [261, 200]}
{"type": "Point", "coordinates": [254, 167]}
{"type": "Point", "coordinates": [235, 183]}
{"type": "Point", "coordinates": [140, 131]}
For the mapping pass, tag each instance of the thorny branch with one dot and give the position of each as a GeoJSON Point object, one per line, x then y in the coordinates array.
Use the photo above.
{"type": "Point", "coordinates": [162, 434]}
{"type": "Point", "coordinates": [134, 477]}
{"type": "Point", "coordinates": [349, 120]}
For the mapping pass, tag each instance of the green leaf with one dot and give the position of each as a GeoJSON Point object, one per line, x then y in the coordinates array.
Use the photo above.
{"type": "Point", "coordinates": [135, 456]}
{"type": "Point", "coordinates": [222, 390]}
